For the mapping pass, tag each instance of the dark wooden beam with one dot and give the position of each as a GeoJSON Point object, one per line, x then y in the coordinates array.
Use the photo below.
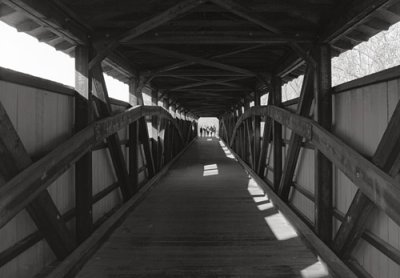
{"type": "Point", "coordinates": [195, 72]}
{"type": "Point", "coordinates": [303, 109]}
{"type": "Point", "coordinates": [323, 166]}
{"type": "Point", "coordinates": [196, 60]}
{"type": "Point", "coordinates": [113, 142]}
{"type": "Point", "coordinates": [51, 15]}
{"type": "Point", "coordinates": [257, 125]}
{"type": "Point", "coordinates": [145, 140]}
{"type": "Point", "coordinates": [245, 13]}
{"type": "Point", "coordinates": [166, 69]}
{"type": "Point", "coordinates": [265, 143]}
{"type": "Point", "coordinates": [224, 81]}
{"type": "Point", "coordinates": [213, 37]}
{"type": "Point", "coordinates": [347, 16]}
{"type": "Point", "coordinates": [276, 95]}
{"type": "Point", "coordinates": [179, 9]}
{"type": "Point", "coordinates": [83, 167]}
{"type": "Point", "coordinates": [42, 209]}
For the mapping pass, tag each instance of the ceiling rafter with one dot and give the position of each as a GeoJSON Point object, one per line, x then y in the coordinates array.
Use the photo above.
{"type": "Point", "coordinates": [245, 13]}
{"type": "Point", "coordinates": [215, 37]}
{"type": "Point", "coordinates": [348, 16]}
{"type": "Point", "coordinates": [196, 60]}
{"type": "Point", "coordinates": [171, 13]}
{"type": "Point", "coordinates": [224, 81]}
{"type": "Point", "coordinates": [189, 63]}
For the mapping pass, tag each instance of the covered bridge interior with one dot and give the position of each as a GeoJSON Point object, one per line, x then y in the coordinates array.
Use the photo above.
{"type": "Point", "coordinates": [75, 164]}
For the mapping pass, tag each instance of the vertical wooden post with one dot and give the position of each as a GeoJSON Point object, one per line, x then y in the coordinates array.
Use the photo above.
{"type": "Point", "coordinates": [265, 143]}
{"type": "Point", "coordinates": [83, 167]}
{"type": "Point", "coordinates": [154, 133]}
{"type": "Point", "coordinates": [248, 137]}
{"type": "Point", "coordinates": [257, 126]}
{"type": "Point", "coordinates": [323, 166]}
{"type": "Point", "coordinates": [277, 132]}
{"type": "Point", "coordinates": [135, 98]}
{"type": "Point", "coordinates": [113, 142]}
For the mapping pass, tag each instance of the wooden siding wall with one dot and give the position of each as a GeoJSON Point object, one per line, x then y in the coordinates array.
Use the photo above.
{"type": "Point", "coordinates": [360, 117]}
{"type": "Point", "coordinates": [43, 120]}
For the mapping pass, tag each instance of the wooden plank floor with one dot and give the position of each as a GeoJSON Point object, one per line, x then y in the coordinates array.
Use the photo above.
{"type": "Point", "coordinates": [205, 218]}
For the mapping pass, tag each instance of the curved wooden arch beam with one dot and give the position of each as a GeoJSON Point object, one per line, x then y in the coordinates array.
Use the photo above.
{"type": "Point", "coordinates": [21, 190]}
{"type": "Point", "coordinates": [378, 186]}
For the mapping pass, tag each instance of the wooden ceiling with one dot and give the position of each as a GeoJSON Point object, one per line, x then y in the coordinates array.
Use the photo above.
{"type": "Point", "coordinates": [205, 55]}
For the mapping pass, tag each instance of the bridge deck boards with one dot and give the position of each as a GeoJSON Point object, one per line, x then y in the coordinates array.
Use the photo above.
{"type": "Point", "coordinates": [205, 218]}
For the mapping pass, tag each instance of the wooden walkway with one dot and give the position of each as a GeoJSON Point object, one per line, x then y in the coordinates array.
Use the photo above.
{"type": "Point", "coordinates": [205, 218]}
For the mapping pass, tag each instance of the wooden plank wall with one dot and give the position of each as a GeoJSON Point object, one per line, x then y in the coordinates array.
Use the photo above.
{"type": "Point", "coordinates": [360, 117]}
{"type": "Point", "coordinates": [43, 120]}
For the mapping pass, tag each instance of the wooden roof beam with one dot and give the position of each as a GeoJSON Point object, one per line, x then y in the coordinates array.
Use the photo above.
{"type": "Point", "coordinates": [205, 83]}
{"type": "Point", "coordinates": [196, 60]}
{"type": "Point", "coordinates": [49, 14]}
{"type": "Point", "coordinates": [171, 13]}
{"type": "Point", "coordinates": [197, 73]}
{"type": "Point", "coordinates": [213, 37]}
{"type": "Point", "coordinates": [189, 63]}
{"type": "Point", "coordinates": [245, 13]}
{"type": "Point", "coordinates": [348, 16]}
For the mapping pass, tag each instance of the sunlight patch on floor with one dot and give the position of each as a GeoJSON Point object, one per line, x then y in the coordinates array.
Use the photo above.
{"type": "Point", "coordinates": [227, 151]}
{"type": "Point", "coordinates": [260, 199]}
{"type": "Point", "coordinates": [210, 170]}
{"type": "Point", "coordinates": [254, 189]}
{"type": "Point", "coordinates": [317, 270]}
{"type": "Point", "coordinates": [280, 226]}
{"type": "Point", "coordinates": [266, 206]}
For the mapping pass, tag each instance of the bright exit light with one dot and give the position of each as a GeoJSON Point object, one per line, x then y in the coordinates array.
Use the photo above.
{"type": "Point", "coordinates": [280, 227]}
{"type": "Point", "coordinates": [210, 170]}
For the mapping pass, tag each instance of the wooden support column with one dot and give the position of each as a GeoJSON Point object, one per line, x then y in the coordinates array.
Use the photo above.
{"type": "Point", "coordinates": [14, 159]}
{"type": "Point", "coordinates": [145, 140]}
{"type": "Point", "coordinates": [276, 95]}
{"type": "Point", "coordinates": [135, 98]}
{"type": "Point", "coordinates": [248, 137]}
{"type": "Point", "coordinates": [303, 109]}
{"type": "Point", "coordinates": [265, 143]}
{"type": "Point", "coordinates": [323, 166]}
{"type": "Point", "coordinates": [104, 109]}
{"type": "Point", "coordinates": [83, 167]}
{"type": "Point", "coordinates": [155, 130]}
{"type": "Point", "coordinates": [135, 91]}
{"type": "Point", "coordinates": [257, 126]}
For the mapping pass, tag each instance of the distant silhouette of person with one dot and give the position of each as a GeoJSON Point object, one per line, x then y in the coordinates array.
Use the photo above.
{"type": "Point", "coordinates": [201, 131]}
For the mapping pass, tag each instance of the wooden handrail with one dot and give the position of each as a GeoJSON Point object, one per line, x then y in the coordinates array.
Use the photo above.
{"type": "Point", "coordinates": [16, 194]}
{"type": "Point", "coordinates": [377, 185]}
